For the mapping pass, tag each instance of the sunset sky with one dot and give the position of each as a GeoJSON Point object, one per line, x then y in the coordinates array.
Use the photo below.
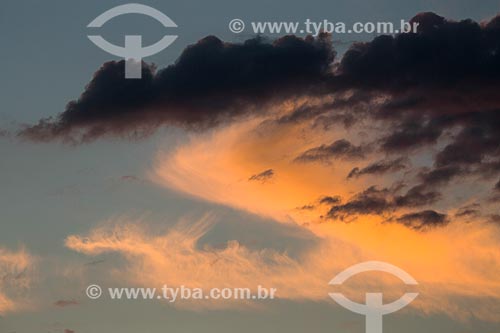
{"type": "Point", "coordinates": [240, 160]}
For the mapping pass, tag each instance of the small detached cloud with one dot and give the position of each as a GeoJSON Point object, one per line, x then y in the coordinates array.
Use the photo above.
{"type": "Point", "coordinates": [423, 220]}
{"type": "Point", "coordinates": [211, 82]}
{"type": "Point", "coordinates": [340, 149]}
{"type": "Point", "coordinates": [263, 177]}
{"type": "Point", "coordinates": [65, 303]}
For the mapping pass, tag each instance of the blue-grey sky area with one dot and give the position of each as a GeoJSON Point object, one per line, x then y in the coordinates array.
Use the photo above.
{"type": "Point", "coordinates": [50, 191]}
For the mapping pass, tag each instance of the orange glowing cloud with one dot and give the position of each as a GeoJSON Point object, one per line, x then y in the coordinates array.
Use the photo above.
{"type": "Point", "coordinates": [16, 278]}
{"type": "Point", "coordinates": [456, 264]}
{"type": "Point", "coordinates": [223, 167]}
{"type": "Point", "coordinates": [252, 165]}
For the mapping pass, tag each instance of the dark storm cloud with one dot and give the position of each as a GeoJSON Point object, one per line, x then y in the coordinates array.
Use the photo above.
{"type": "Point", "coordinates": [423, 220]}
{"type": "Point", "coordinates": [442, 52]}
{"type": "Point", "coordinates": [211, 81]}
{"type": "Point", "coordinates": [263, 177]}
{"type": "Point", "coordinates": [444, 78]}
{"type": "Point", "coordinates": [382, 201]}
{"type": "Point", "coordinates": [440, 83]}
{"type": "Point", "coordinates": [380, 167]}
{"type": "Point", "coordinates": [340, 149]}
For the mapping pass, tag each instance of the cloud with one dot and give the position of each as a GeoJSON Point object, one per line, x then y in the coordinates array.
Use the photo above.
{"type": "Point", "coordinates": [423, 220]}
{"type": "Point", "coordinates": [370, 201]}
{"type": "Point", "coordinates": [211, 81]}
{"type": "Point", "coordinates": [391, 102]}
{"type": "Point", "coordinates": [263, 177]}
{"type": "Point", "coordinates": [4, 133]}
{"type": "Point", "coordinates": [417, 196]}
{"type": "Point", "coordinates": [330, 200]}
{"type": "Point", "coordinates": [337, 150]}
{"type": "Point", "coordinates": [176, 257]}
{"type": "Point", "coordinates": [420, 86]}
{"type": "Point", "coordinates": [64, 303]}
{"type": "Point", "coordinates": [439, 175]}
{"type": "Point", "coordinates": [495, 218]}
{"type": "Point", "coordinates": [16, 278]}
{"type": "Point", "coordinates": [216, 165]}
{"type": "Point", "coordinates": [380, 167]}
{"type": "Point", "coordinates": [412, 93]}
{"type": "Point", "coordinates": [382, 201]}
{"type": "Point", "coordinates": [469, 211]}
{"type": "Point", "coordinates": [438, 84]}
{"type": "Point", "coordinates": [432, 57]}
{"type": "Point", "coordinates": [411, 133]}
{"type": "Point", "coordinates": [429, 99]}
{"type": "Point", "coordinates": [431, 94]}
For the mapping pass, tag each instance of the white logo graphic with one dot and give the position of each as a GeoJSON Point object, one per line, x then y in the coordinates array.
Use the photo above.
{"type": "Point", "coordinates": [93, 291]}
{"type": "Point", "coordinates": [132, 52]}
{"type": "Point", "coordinates": [374, 308]}
{"type": "Point", "coordinates": [236, 26]}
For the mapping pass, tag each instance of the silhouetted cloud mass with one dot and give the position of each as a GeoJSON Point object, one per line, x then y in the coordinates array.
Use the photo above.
{"type": "Point", "coordinates": [211, 81]}
{"type": "Point", "coordinates": [382, 201]}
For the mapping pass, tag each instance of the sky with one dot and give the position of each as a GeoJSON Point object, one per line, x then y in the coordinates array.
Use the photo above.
{"type": "Point", "coordinates": [240, 160]}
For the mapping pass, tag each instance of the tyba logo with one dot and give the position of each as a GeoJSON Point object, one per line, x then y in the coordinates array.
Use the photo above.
{"type": "Point", "coordinates": [133, 51]}
{"type": "Point", "coordinates": [373, 308]}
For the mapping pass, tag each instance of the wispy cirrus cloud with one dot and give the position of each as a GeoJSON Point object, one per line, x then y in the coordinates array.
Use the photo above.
{"type": "Point", "coordinates": [16, 277]}
{"type": "Point", "coordinates": [448, 264]}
